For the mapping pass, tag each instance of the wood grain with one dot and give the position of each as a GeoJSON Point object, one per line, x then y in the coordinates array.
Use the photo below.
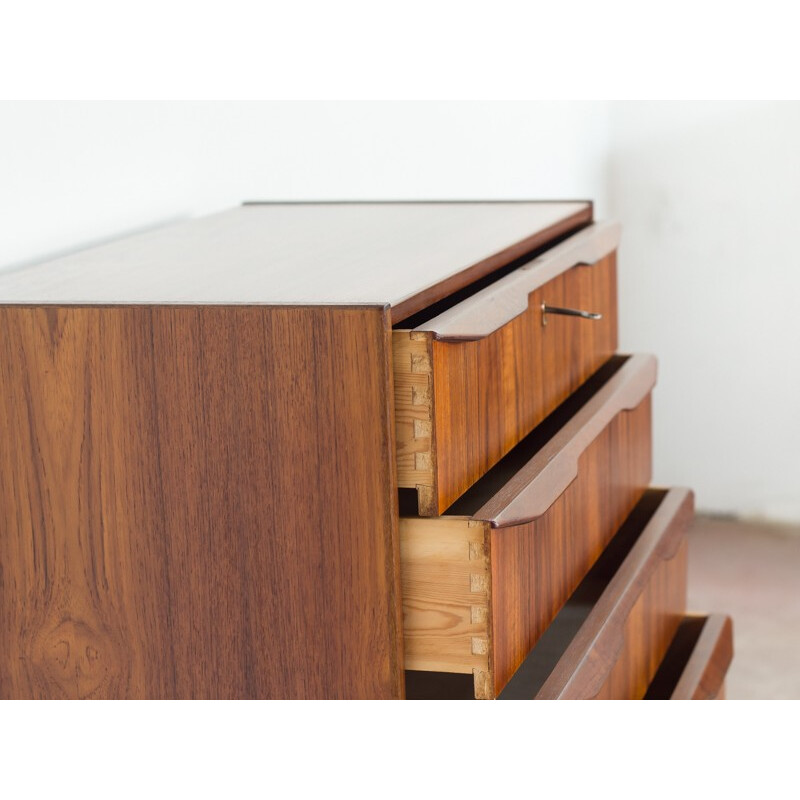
{"type": "Point", "coordinates": [445, 585]}
{"type": "Point", "coordinates": [536, 567]}
{"type": "Point", "coordinates": [196, 503]}
{"type": "Point", "coordinates": [539, 483]}
{"type": "Point", "coordinates": [413, 417]}
{"type": "Point", "coordinates": [697, 661]}
{"type": "Point", "coordinates": [619, 647]}
{"type": "Point", "coordinates": [407, 255]}
{"type": "Point", "coordinates": [487, 395]}
{"type": "Point", "coordinates": [645, 636]}
{"type": "Point", "coordinates": [532, 568]}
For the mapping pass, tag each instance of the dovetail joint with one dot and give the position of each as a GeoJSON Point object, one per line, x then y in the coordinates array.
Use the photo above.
{"type": "Point", "coordinates": [480, 646]}
{"type": "Point", "coordinates": [478, 615]}
{"type": "Point", "coordinates": [478, 583]}
{"type": "Point", "coordinates": [482, 683]}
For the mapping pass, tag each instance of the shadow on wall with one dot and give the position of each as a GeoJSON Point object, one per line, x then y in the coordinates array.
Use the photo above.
{"type": "Point", "coordinates": [709, 198]}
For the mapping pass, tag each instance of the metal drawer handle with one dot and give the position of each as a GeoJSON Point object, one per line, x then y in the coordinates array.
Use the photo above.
{"type": "Point", "coordinates": [567, 312]}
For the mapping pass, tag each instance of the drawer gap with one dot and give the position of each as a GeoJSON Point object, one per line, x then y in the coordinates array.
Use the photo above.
{"type": "Point", "coordinates": [439, 307]}
{"type": "Point", "coordinates": [671, 669]}
{"type": "Point", "coordinates": [439, 686]}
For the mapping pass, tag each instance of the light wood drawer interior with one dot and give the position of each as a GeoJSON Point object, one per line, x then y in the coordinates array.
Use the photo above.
{"type": "Point", "coordinates": [482, 583]}
{"type": "Point", "coordinates": [472, 381]}
{"type": "Point", "coordinates": [610, 637]}
{"type": "Point", "coordinates": [697, 661]}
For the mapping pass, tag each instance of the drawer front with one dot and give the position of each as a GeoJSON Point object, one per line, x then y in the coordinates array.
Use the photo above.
{"type": "Point", "coordinates": [479, 589]}
{"type": "Point", "coordinates": [695, 666]}
{"type": "Point", "coordinates": [474, 381]}
{"type": "Point", "coordinates": [537, 566]}
{"type": "Point", "coordinates": [645, 636]}
{"type": "Point", "coordinates": [611, 636]}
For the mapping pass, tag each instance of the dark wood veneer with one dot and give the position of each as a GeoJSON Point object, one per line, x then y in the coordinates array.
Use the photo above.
{"type": "Point", "coordinates": [631, 603]}
{"type": "Point", "coordinates": [197, 502]}
{"type": "Point", "coordinates": [482, 397]}
{"type": "Point", "coordinates": [535, 567]}
{"type": "Point", "coordinates": [698, 658]}
{"type": "Point", "coordinates": [203, 430]}
{"type": "Point", "coordinates": [478, 597]}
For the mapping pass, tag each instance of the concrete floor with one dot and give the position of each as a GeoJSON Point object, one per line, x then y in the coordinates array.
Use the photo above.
{"type": "Point", "coordinates": [751, 572]}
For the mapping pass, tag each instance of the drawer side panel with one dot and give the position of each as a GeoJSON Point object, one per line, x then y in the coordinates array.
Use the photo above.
{"type": "Point", "coordinates": [195, 502]}
{"type": "Point", "coordinates": [445, 585]}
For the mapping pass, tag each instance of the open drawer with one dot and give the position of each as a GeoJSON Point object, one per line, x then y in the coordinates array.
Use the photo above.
{"type": "Point", "coordinates": [609, 639]}
{"type": "Point", "coordinates": [697, 661]}
{"type": "Point", "coordinates": [482, 583]}
{"type": "Point", "coordinates": [472, 380]}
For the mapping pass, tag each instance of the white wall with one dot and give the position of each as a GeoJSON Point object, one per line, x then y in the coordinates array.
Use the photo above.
{"type": "Point", "coordinates": [75, 173]}
{"type": "Point", "coordinates": [709, 196]}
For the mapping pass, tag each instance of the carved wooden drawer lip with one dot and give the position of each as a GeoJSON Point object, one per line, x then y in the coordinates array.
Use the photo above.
{"type": "Point", "coordinates": [612, 634]}
{"type": "Point", "coordinates": [697, 661]}
{"type": "Point", "coordinates": [472, 381]}
{"type": "Point", "coordinates": [482, 583]}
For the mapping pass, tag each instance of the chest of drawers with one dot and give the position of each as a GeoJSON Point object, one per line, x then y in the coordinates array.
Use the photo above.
{"type": "Point", "coordinates": [338, 451]}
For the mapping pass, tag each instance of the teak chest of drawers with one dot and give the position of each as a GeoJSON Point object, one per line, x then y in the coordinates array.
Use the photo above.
{"type": "Point", "coordinates": [339, 451]}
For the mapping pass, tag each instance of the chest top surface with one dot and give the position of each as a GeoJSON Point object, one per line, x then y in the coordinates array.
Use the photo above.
{"type": "Point", "coordinates": [403, 255]}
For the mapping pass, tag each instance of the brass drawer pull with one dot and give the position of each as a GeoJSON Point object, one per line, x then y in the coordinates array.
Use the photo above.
{"type": "Point", "coordinates": [567, 312]}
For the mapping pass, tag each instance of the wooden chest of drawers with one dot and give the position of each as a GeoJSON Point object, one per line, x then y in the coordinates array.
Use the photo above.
{"type": "Point", "coordinates": [340, 451]}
